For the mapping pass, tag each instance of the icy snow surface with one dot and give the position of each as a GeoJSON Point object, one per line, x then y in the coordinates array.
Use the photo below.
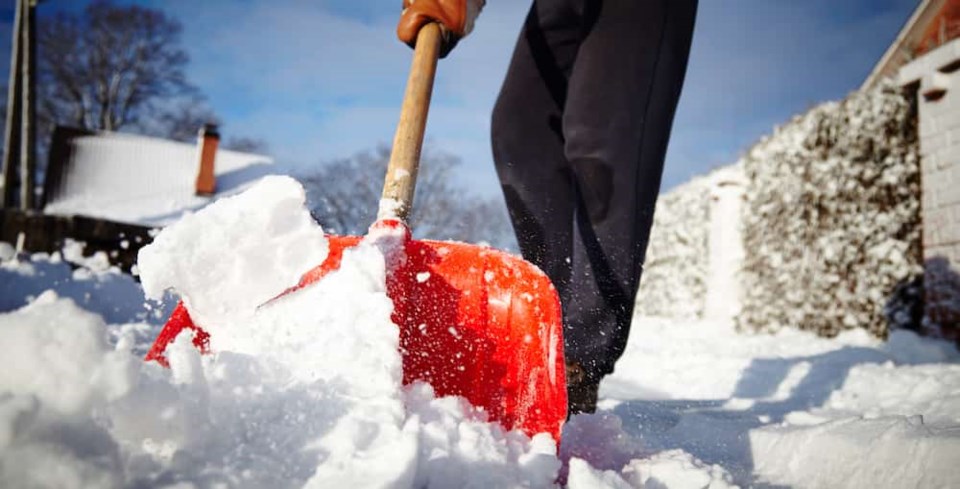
{"type": "Point", "coordinates": [305, 391]}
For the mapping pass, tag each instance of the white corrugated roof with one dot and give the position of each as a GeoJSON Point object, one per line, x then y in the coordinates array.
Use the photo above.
{"type": "Point", "coordinates": [143, 180]}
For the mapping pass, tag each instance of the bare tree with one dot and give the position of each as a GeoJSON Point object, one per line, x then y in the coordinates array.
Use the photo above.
{"type": "Point", "coordinates": [343, 196]}
{"type": "Point", "coordinates": [111, 66]}
{"type": "Point", "coordinates": [179, 120]}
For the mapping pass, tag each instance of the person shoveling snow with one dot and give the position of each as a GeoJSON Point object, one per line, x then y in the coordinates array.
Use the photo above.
{"type": "Point", "coordinates": [581, 200]}
{"type": "Point", "coordinates": [579, 136]}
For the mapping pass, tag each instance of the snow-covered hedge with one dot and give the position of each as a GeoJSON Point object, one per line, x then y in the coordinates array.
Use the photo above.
{"type": "Point", "coordinates": [831, 222]}
{"type": "Point", "coordinates": [674, 280]}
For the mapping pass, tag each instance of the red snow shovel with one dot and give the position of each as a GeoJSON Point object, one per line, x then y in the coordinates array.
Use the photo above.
{"type": "Point", "coordinates": [474, 321]}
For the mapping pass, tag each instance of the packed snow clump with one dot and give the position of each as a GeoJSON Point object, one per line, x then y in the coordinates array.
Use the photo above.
{"type": "Point", "coordinates": [235, 255]}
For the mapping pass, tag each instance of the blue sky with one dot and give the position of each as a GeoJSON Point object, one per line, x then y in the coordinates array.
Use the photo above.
{"type": "Point", "coordinates": [320, 79]}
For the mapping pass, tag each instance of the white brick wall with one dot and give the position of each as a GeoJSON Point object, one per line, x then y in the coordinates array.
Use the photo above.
{"type": "Point", "coordinates": [939, 113]}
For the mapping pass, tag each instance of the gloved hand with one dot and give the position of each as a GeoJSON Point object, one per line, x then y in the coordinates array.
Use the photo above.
{"type": "Point", "coordinates": [455, 17]}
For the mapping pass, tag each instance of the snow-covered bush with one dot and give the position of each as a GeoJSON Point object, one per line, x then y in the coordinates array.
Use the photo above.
{"type": "Point", "coordinates": [831, 222]}
{"type": "Point", "coordinates": [674, 280]}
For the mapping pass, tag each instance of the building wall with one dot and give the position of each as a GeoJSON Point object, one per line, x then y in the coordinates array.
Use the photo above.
{"type": "Point", "coordinates": [937, 79]}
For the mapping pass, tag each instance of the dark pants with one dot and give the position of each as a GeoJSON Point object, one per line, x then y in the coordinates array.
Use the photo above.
{"type": "Point", "coordinates": [580, 132]}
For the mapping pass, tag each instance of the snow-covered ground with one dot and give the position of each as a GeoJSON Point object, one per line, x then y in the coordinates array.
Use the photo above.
{"type": "Point", "coordinates": [306, 391]}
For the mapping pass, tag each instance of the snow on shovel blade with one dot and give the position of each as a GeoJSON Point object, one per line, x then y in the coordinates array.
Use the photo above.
{"type": "Point", "coordinates": [474, 322]}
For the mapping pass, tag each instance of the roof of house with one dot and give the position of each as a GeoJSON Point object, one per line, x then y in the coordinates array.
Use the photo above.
{"type": "Point", "coordinates": [137, 179]}
{"type": "Point", "coordinates": [933, 23]}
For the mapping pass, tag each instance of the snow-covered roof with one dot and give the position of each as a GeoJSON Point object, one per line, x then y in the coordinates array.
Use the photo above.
{"type": "Point", "coordinates": [137, 179]}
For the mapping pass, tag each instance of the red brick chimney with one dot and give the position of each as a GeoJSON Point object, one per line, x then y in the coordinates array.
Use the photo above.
{"type": "Point", "coordinates": [208, 141]}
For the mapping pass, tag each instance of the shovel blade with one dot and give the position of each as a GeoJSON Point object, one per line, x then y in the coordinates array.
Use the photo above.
{"type": "Point", "coordinates": [484, 325]}
{"type": "Point", "coordinates": [474, 322]}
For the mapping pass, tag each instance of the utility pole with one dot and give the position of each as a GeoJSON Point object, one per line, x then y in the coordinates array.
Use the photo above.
{"type": "Point", "coordinates": [12, 146]}
{"type": "Point", "coordinates": [20, 144]}
{"type": "Point", "coordinates": [28, 135]}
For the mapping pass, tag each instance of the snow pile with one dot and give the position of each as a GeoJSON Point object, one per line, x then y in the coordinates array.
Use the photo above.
{"type": "Point", "coordinates": [303, 391]}
{"type": "Point", "coordinates": [831, 223]}
{"type": "Point", "coordinates": [674, 279]}
{"type": "Point", "coordinates": [52, 384]}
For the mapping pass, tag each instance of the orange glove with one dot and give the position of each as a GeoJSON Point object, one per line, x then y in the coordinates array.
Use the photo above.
{"type": "Point", "coordinates": [455, 17]}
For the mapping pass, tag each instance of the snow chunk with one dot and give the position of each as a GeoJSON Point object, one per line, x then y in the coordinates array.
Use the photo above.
{"type": "Point", "coordinates": [73, 253]}
{"type": "Point", "coordinates": [676, 468]}
{"type": "Point", "coordinates": [583, 476]}
{"type": "Point", "coordinates": [70, 369]}
{"type": "Point", "coordinates": [235, 254]}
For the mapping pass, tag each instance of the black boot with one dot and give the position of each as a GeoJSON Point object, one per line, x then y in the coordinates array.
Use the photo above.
{"type": "Point", "coordinates": [581, 390]}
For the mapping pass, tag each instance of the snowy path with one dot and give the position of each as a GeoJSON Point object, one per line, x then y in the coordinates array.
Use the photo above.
{"type": "Point", "coordinates": [790, 409]}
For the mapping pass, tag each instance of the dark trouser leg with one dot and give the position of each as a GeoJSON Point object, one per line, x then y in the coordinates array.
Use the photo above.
{"type": "Point", "coordinates": [528, 140]}
{"type": "Point", "coordinates": [582, 192]}
{"type": "Point", "coordinates": [623, 93]}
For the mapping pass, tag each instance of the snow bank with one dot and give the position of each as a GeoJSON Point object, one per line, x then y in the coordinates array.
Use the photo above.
{"type": "Point", "coordinates": [893, 451]}
{"type": "Point", "coordinates": [53, 383]}
{"type": "Point", "coordinates": [789, 408]}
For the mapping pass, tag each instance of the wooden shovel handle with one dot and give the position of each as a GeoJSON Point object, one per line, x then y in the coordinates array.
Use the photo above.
{"type": "Point", "coordinates": [401, 179]}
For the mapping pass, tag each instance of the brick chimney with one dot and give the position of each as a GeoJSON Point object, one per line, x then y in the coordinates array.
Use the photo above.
{"type": "Point", "coordinates": [208, 140]}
